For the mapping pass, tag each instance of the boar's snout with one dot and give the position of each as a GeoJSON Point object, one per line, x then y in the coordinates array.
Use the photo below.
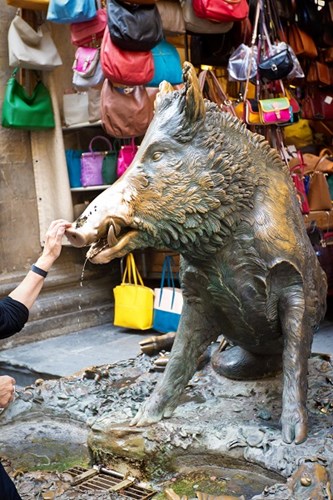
{"type": "Point", "coordinates": [77, 238]}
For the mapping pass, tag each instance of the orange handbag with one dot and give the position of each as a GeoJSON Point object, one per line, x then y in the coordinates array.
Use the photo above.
{"type": "Point", "coordinates": [301, 43]}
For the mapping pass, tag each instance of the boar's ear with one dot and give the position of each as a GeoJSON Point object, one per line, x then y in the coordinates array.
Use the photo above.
{"type": "Point", "coordinates": [164, 88]}
{"type": "Point", "coordinates": [195, 106]}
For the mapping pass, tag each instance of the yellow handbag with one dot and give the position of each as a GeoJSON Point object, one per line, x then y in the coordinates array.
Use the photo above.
{"type": "Point", "coordinates": [29, 4]}
{"type": "Point", "coordinates": [133, 302]}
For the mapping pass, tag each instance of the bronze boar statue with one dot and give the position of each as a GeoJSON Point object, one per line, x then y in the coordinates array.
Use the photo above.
{"type": "Point", "coordinates": [205, 186]}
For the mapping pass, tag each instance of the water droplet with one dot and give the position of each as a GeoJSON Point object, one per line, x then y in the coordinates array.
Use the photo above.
{"type": "Point", "coordinates": [82, 272]}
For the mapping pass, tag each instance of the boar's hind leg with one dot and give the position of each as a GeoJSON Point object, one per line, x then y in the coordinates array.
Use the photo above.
{"type": "Point", "coordinates": [195, 332]}
{"type": "Point", "coordinates": [297, 347]}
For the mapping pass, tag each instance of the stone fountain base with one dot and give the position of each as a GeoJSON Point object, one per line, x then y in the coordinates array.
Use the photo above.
{"type": "Point", "coordinates": [218, 423]}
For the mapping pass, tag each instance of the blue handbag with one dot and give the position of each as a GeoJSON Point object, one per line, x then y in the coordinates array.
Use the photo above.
{"type": "Point", "coordinates": [71, 11]}
{"type": "Point", "coordinates": [73, 160]}
{"type": "Point", "coordinates": [168, 301]}
{"type": "Point", "coordinates": [167, 64]}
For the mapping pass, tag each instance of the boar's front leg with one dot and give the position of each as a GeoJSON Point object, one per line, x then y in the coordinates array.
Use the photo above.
{"type": "Point", "coordinates": [297, 347]}
{"type": "Point", "coordinates": [195, 332]}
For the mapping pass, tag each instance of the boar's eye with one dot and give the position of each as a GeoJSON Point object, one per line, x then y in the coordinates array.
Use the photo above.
{"type": "Point", "coordinates": [157, 155]}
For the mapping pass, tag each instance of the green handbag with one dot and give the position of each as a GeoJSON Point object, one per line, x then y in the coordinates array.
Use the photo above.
{"type": "Point", "coordinates": [30, 112]}
{"type": "Point", "coordinates": [109, 167]}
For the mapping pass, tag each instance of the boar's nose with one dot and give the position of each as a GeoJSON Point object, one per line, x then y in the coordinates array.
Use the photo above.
{"type": "Point", "coordinates": [76, 238]}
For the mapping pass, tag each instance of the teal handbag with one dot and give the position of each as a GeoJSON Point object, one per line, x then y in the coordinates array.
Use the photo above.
{"type": "Point", "coordinates": [30, 112]}
{"type": "Point", "coordinates": [167, 64]}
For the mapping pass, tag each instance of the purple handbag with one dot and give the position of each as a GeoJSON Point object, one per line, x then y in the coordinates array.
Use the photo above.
{"type": "Point", "coordinates": [92, 163]}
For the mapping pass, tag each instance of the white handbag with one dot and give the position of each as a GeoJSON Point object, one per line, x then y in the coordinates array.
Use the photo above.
{"type": "Point", "coordinates": [75, 108]}
{"type": "Point", "coordinates": [31, 49]}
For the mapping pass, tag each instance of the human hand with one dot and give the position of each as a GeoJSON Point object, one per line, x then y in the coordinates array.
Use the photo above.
{"type": "Point", "coordinates": [7, 390]}
{"type": "Point", "coordinates": [53, 243]}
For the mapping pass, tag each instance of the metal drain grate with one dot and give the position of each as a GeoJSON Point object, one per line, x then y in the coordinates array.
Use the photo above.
{"type": "Point", "coordinates": [101, 478]}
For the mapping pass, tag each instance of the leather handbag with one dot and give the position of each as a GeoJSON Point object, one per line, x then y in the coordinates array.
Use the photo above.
{"type": "Point", "coordinates": [301, 43]}
{"type": "Point", "coordinates": [75, 108]}
{"type": "Point", "coordinates": [211, 89]}
{"type": "Point", "coordinates": [221, 10]}
{"type": "Point", "coordinates": [251, 115]}
{"type": "Point", "coordinates": [167, 65]}
{"type": "Point", "coordinates": [321, 163]}
{"type": "Point", "coordinates": [319, 193]}
{"type": "Point", "coordinates": [297, 175]}
{"type": "Point", "coordinates": [276, 66]}
{"type": "Point", "coordinates": [92, 164]}
{"type": "Point", "coordinates": [318, 105]}
{"type": "Point", "coordinates": [195, 24]}
{"type": "Point", "coordinates": [124, 66]}
{"type": "Point", "coordinates": [71, 11]}
{"type": "Point", "coordinates": [86, 60]}
{"type": "Point", "coordinates": [89, 31]}
{"type": "Point", "coordinates": [319, 74]}
{"type": "Point", "coordinates": [125, 112]}
{"type": "Point", "coordinates": [82, 82]}
{"type": "Point", "coordinates": [29, 4]}
{"type": "Point", "coordinates": [126, 156]}
{"type": "Point", "coordinates": [133, 302]}
{"type": "Point", "coordinates": [24, 111]}
{"type": "Point", "coordinates": [172, 17]}
{"type": "Point", "coordinates": [274, 111]}
{"type": "Point", "coordinates": [134, 27]}
{"type": "Point", "coordinates": [31, 49]}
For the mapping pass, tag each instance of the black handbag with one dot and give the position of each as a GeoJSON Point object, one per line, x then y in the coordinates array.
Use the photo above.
{"type": "Point", "coordinates": [276, 67]}
{"type": "Point", "coordinates": [134, 27]}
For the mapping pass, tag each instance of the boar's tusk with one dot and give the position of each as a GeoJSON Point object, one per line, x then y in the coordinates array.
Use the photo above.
{"type": "Point", "coordinates": [112, 240]}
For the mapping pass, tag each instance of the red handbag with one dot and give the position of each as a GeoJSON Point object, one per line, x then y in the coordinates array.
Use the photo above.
{"type": "Point", "coordinates": [89, 31]}
{"type": "Point", "coordinates": [221, 10]}
{"type": "Point", "coordinates": [124, 66]}
{"type": "Point", "coordinates": [297, 175]}
{"type": "Point", "coordinates": [318, 105]}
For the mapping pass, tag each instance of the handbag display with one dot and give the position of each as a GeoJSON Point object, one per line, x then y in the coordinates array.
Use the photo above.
{"type": "Point", "coordinates": [24, 111]}
{"type": "Point", "coordinates": [75, 108]}
{"type": "Point", "coordinates": [92, 164]}
{"type": "Point", "coordinates": [29, 4]}
{"type": "Point", "coordinates": [167, 65]}
{"type": "Point", "coordinates": [126, 156]}
{"type": "Point", "coordinates": [71, 11]}
{"type": "Point", "coordinates": [168, 301]}
{"type": "Point", "coordinates": [221, 10]}
{"type": "Point", "coordinates": [273, 111]}
{"type": "Point", "coordinates": [133, 302]}
{"type": "Point", "coordinates": [134, 27]}
{"type": "Point", "coordinates": [124, 66]}
{"type": "Point", "coordinates": [31, 49]}
{"type": "Point", "coordinates": [125, 112]}
{"type": "Point", "coordinates": [195, 24]}
{"type": "Point", "coordinates": [89, 31]}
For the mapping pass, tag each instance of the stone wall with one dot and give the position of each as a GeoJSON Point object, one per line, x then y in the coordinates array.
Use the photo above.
{"type": "Point", "coordinates": [56, 310]}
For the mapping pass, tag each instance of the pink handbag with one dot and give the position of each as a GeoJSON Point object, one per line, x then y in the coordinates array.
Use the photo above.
{"type": "Point", "coordinates": [276, 110]}
{"type": "Point", "coordinates": [89, 31]}
{"type": "Point", "coordinates": [86, 60]}
{"type": "Point", "coordinates": [125, 157]}
{"type": "Point", "coordinates": [92, 164]}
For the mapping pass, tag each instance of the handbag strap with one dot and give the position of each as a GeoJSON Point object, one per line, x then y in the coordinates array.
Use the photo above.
{"type": "Point", "coordinates": [131, 272]}
{"type": "Point", "coordinates": [99, 137]}
{"type": "Point", "coordinates": [253, 42]}
{"type": "Point", "coordinates": [323, 154]}
{"type": "Point", "coordinates": [167, 274]}
{"type": "Point", "coordinates": [203, 78]}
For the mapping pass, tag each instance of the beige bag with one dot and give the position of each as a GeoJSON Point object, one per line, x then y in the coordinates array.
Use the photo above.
{"type": "Point", "coordinates": [198, 25]}
{"type": "Point", "coordinates": [172, 17]}
{"type": "Point", "coordinates": [75, 108]}
{"type": "Point", "coordinates": [31, 49]}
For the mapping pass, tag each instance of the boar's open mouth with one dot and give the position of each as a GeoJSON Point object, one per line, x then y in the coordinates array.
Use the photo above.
{"type": "Point", "coordinates": [113, 242]}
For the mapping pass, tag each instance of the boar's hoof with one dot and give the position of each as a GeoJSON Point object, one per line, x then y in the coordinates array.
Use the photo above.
{"type": "Point", "coordinates": [238, 364]}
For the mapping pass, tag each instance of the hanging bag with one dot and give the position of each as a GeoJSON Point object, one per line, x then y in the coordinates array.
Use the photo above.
{"type": "Point", "coordinates": [71, 11]}
{"type": "Point", "coordinates": [24, 111]}
{"type": "Point", "coordinates": [89, 31]}
{"type": "Point", "coordinates": [212, 90]}
{"type": "Point", "coordinates": [195, 24]}
{"type": "Point", "coordinates": [133, 302]}
{"type": "Point", "coordinates": [168, 301]}
{"type": "Point", "coordinates": [134, 27]}
{"type": "Point", "coordinates": [126, 156]}
{"type": "Point", "coordinates": [221, 10]}
{"type": "Point", "coordinates": [167, 65]}
{"type": "Point", "coordinates": [125, 112]}
{"type": "Point", "coordinates": [297, 175]}
{"type": "Point", "coordinates": [31, 49]}
{"type": "Point", "coordinates": [92, 164]}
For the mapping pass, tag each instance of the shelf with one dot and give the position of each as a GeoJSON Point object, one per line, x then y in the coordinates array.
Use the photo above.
{"type": "Point", "coordinates": [82, 125]}
{"type": "Point", "coordinates": [91, 188]}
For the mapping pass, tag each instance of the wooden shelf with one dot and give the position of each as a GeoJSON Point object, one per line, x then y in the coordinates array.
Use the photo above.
{"type": "Point", "coordinates": [91, 188]}
{"type": "Point", "coordinates": [82, 125]}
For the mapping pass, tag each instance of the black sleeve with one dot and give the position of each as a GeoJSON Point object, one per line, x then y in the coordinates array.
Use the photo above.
{"type": "Point", "coordinates": [13, 316]}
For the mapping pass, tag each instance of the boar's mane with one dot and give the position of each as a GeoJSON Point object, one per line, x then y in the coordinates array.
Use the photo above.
{"type": "Point", "coordinates": [213, 185]}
